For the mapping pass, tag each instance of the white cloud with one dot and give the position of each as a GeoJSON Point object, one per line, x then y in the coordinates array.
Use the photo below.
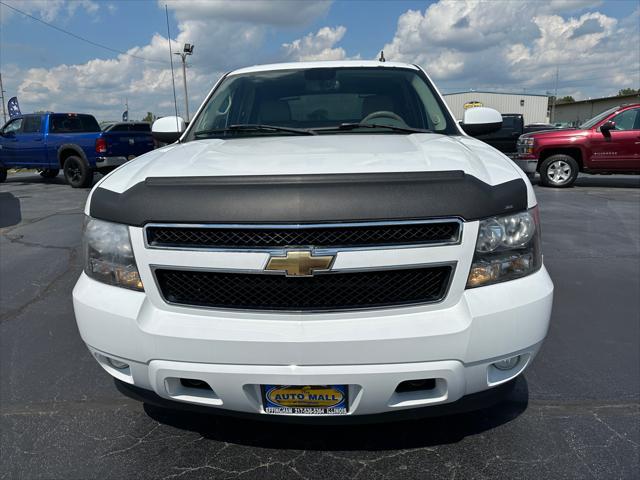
{"type": "Point", "coordinates": [90, 6]}
{"type": "Point", "coordinates": [317, 46]}
{"type": "Point", "coordinates": [48, 10]}
{"type": "Point", "coordinates": [462, 44]}
{"type": "Point", "coordinates": [225, 36]}
{"type": "Point", "coordinates": [258, 12]}
{"type": "Point", "coordinates": [513, 45]}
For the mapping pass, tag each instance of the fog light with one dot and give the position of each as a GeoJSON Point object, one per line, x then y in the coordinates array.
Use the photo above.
{"type": "Point", "coordinates": [416, 385]}
{"type": "Point", "coordinates": [507, 363]}
{"type": "Point", "coordinates": [117, 364]}
{"type": "Point", "coordinates": [193, 383]}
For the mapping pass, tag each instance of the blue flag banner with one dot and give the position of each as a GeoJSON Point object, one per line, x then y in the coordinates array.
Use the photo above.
{"type": "Point", "coordinates": [14, 108]}
{"type": "Point", "coordinates": [125, 116]}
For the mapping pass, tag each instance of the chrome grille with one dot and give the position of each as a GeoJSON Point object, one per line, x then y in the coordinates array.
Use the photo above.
{"type": "Point", "coordinates": [318, 236]}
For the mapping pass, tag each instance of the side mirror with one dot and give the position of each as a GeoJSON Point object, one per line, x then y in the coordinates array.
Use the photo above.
{"type": "Point", "coordinates": [606, 128]}
{"type": "Point", "coordinates": [168, 129]}
{"type": "Point", "coordinates": [481, 120]}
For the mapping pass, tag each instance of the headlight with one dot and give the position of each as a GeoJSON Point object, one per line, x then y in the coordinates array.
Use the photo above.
{"type": "Point", "coordinates": [108, 256]}
{"type": "Point", "coordinates": [526, 144]}
{"type": "Point", "coordinates": [508, 247]}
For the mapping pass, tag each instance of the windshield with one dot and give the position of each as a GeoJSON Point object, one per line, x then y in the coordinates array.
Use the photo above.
{"type": "Point", "coordinates": [319, 99]}
{"type": "Point", "coordinates": [598, 118]}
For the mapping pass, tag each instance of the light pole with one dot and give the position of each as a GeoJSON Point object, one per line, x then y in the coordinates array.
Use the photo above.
{"type": "Point", "coordinates": [188, 50]}
{"type": "Point", "coordinates": [555, 98]}
{"type": "Point", "coordinates": [4, 111]}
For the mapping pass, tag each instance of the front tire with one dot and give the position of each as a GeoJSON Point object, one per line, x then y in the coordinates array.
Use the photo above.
{"type": "Point", "coordinates": [559, 171]}
{"type": "Point", "coordinates": [77, 172]}
{"type": "Point", "coordinates": [50, 172]}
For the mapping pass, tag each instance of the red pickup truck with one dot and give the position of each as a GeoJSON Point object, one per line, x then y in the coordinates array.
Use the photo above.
{"type": "Point", "coordinates": [608, 143]}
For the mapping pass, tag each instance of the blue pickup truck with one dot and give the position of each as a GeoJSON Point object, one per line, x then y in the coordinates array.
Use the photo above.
{"type": "Point", "coordinates": [72, 142]}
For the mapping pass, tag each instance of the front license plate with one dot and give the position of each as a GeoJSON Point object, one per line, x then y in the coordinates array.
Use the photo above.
{"type": "Point", "coordinates": [305, 399]}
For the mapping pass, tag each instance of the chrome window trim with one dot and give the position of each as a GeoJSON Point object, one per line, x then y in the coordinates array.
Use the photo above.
{"type": "Point", "coordinates": [452, 264]}
{"type": "Point", "coordinates": [303, 226]}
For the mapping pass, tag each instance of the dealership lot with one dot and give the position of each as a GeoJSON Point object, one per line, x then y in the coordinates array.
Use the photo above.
{"type": "Point", "coordinates": [575, 414]}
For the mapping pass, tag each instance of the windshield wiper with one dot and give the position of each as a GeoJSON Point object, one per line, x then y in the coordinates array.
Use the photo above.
{"type": "Point", "coordinates": [253, 128]}
{"type": "Point", "coordinates": [353, 126]}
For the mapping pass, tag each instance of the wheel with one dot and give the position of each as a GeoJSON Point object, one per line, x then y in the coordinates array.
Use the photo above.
{"type": "Point", "coordinates": [3, 174]}
{"type": "Point", "coordinates": [50, 172]}
{"type": "Point", "coordinates": [77, 172]}
{"type": "Point", "coordinates": [559, 171]}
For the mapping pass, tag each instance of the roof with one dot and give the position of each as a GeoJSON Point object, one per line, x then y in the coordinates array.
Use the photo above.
{"type": "Point", "coordinates": [519, 94]}
{"type": "Point", "coordinates": [323, 64]}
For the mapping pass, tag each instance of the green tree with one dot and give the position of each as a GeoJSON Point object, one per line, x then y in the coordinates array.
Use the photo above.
{"type": "Point", "coordinates": [150, 117]}
{"type": "Point", "coordinates": [566, 99]}
{"type": "Point", "coordinates": [628, 91]}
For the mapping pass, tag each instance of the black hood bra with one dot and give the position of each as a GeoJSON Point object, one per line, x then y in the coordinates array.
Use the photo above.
{"type": "Point", "coordinates": [323, 198]}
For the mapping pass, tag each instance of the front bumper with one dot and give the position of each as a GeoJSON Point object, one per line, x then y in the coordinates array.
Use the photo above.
{"type": "Point", "coordinates": [468, 403]}
{"type": "Point", "coordinates": [107, 162]}
{"type": "Point", "coordinates": [527, 163]}
{"type": "Point", "coordinates": [371, 351]}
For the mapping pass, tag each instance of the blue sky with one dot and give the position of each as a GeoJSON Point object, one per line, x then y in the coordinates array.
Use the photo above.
{"type": "Point", "coordinates": [133, 22]}
{"type": "Point", "coordinates": [498, 45]}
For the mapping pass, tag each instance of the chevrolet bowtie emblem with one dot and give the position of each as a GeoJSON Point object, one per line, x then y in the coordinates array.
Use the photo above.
{"type": "Point", "coordinates": [299, 263]}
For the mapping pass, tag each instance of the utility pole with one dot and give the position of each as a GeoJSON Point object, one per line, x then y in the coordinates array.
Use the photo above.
{"type": "Point", "coordinates": [4, 108]}
{"type": "Point", "coordinates": [188, 50]}
{"type": "Point", "coordinates": [555, 98]}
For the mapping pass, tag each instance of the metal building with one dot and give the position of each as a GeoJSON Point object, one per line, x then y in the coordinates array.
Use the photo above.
{"type": "Point", "coordinates": [579, 112]}
{"type": "Point", "coordinates": [534, 108]}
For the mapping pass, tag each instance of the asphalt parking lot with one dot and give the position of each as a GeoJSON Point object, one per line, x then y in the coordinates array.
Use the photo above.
{"type": "Point", "coordinates": [575, 413]}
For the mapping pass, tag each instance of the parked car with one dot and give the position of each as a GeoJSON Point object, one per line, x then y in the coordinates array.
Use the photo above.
{"type": "Point", "coordinates": [538, 127]}
{"type": "Point", "coordinates": [608, 143]}
{"type": "Point", "coordinates": [506, 139]}
{"type": "Point", "coordinates": [323, 240]}
{"type": "Point", "coordinates": [71, 141]}
{"type": "Point", "coordinates": [128, 127]}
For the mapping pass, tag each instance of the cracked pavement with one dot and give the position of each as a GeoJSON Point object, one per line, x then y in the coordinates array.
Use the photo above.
{"type": "Point", "coordinates": [574, 414]}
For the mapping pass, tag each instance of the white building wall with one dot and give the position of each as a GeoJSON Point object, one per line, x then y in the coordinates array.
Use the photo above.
{"type": "Point", "coordinates": [534, 109]}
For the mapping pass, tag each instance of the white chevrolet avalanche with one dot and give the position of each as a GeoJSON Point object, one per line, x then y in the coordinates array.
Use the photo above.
{"type": "Point", "coordinates": [322, 240]}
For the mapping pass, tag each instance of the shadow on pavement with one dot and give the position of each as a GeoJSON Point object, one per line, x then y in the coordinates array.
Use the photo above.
{"type": "Point", "coordinates": [411, 433]}
{"type": "Point", "coordinates": [599, 181]}
{"type": "Point", "coordinates": [28, 178]}
{"type": "Point", "coordinates": [9, 210]}
{"type": "Point", "coordinates": [605, 181]}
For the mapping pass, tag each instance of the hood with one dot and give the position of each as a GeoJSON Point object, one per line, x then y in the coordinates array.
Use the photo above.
{"type": "Point", "coordinates": [322, 154]}
{"type": "Point", "coordinates": [557, 133]}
